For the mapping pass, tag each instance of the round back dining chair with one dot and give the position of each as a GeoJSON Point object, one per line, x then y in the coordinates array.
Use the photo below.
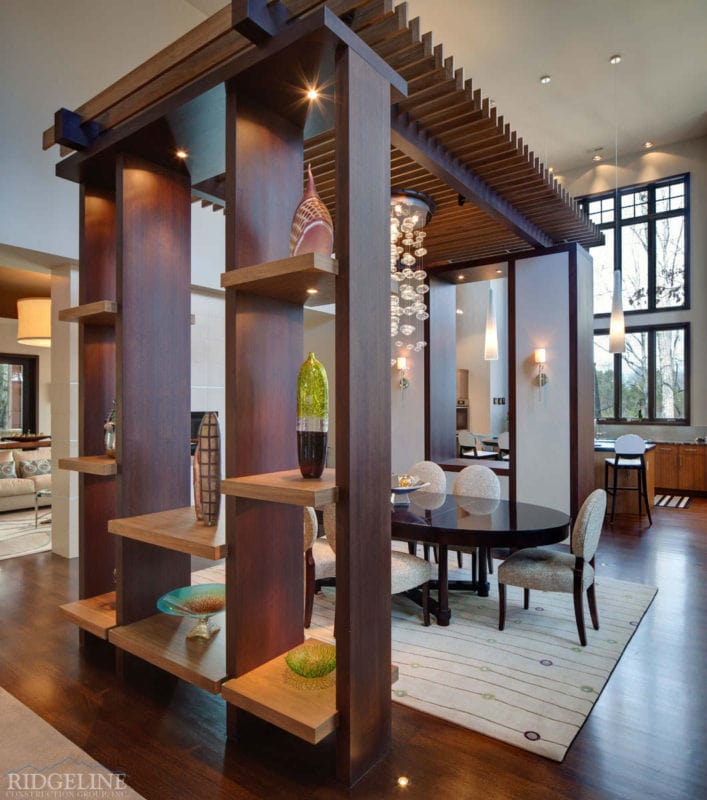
{"type": "Point", "coordinates": [557, 571]}
{"type": "Point", "coordinates": [629, 454]}
{"type": "Point", "coordinates": [407, 571]}
{"type": "Point", "coordinates": [429, 472]}
{"type": "Point", "coordinates": [477, 481]}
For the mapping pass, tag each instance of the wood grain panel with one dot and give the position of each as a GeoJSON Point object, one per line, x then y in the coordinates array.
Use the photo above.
{"type": "Point", "coordinates": [440, 372]}
{"type": "Point", "coordinates": [362, 416]}
{"type": "Point", "coordinates": [263, 353]}
{"type": "Point", "coordinates": [153, 380]}
{"type": "Point", "coordinates": [97, 369]}
{"type": "Point", "coordinates": [94, 614]}
{"type": "Point", "coordinates": [285, 487]}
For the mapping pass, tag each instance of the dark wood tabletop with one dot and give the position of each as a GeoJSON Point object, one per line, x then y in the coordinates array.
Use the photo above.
{"type": "Point", "coordinates": [448, 520]}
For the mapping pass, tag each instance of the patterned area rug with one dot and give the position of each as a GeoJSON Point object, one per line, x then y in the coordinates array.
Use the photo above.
{"type": "Point", "coordinates": [18, 535]}
{"type": "Point", "coordinates": [671, 501]}
{"type": "Point", "coordinates": [531, 685]}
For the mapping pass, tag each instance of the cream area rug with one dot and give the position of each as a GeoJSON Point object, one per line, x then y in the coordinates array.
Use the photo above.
{"type": "Point", "coordinates": [18, 535]}
{"type": "Point", "coordinates": [36, 761]}
{"type": "Point", "coordinates": [531, 685]}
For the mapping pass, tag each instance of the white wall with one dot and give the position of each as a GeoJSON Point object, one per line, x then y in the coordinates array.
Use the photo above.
{"type": "Point", "coordinates": [543, 419]}
{"type": "Point", "coordinates": [690, 156]}
{"type": "Point", "coordinates": [52, 55]}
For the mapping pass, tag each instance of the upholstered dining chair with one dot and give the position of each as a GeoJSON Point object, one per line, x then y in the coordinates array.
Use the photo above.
{"type": "Point", "coordinates": [557, 571]}
{"type": "Point", "coordinates": [319, 561]}
{"type": "Point", "coordinates": [407, 571]}
{"type": "Point", "coordinates": [428, 472]}
{"type": "Point", "coordinates": [629, 454]}
{"type": "Point", "coordinates": [470, 446]}
{"type": "Point", "coordinates": [477, 481]}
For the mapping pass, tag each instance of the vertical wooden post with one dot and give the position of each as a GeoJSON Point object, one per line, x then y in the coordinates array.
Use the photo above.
{"type": "Point", "coordinates": [362, 233]}
{"type": "Point", "coordinates": [264, 350]}
{"type": "Point", "coordinates": [441, 371]}
{"type": "Point", "coordinates": [97, 256]}
{"type": "Point", "coordinates": [153, 376]}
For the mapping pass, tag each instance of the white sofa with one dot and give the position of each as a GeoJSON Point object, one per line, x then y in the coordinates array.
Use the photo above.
{"type": "Point", "coordinates": [19, 492]}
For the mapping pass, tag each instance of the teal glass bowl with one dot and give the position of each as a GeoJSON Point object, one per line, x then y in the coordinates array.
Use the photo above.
{"type": "Point", "coordinates": [201, 601]}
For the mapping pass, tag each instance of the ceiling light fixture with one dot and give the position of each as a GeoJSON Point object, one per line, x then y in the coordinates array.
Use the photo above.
{"type": "Point", "coordinates": [545, 79]}
{"type": "Point", "coordinates": [34, 321]}
{"type": "Point", "coordinates": [182, 154]}
{"type": "Point", "coordinates": [617, 325]}
{"type": "Point", "coordinates": [312, 94]}
{"type": "Point", "coordinates": [491, 333]}
{"type": "Point", "coordinates": [647, 145]}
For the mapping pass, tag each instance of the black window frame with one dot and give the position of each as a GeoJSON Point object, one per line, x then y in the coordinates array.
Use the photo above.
{"type": "Point", "coordinates": [30, 393]}
{"type": "Point", "coordinates": [649, 418]}
{"type": "Point", "coordinates": [650, 218]}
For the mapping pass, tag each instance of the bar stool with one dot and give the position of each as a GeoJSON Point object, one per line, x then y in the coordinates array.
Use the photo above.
{"type": "Point", "coordinates": [629, 455]}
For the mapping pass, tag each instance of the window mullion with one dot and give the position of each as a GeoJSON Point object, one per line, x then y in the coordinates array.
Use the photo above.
{"type": "Point", "coordinates": [617, 385]}
{"type": "Point", "coordinates": [651, 377]}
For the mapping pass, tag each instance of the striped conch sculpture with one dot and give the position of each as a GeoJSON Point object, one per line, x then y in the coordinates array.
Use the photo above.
{"type": "Point", "coordinates": [312, 230]}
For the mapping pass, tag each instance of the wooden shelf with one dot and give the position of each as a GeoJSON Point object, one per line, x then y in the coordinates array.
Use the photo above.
{"type": "Point", "coordinates": [94, 614]}
{"type": "Point", "coordinates": [161, 640]}
{"type": "Point", "coordinates": [92, 465]}
{"type": "Point", "coordinates": [288, 279]}
{"type": "Point", "coordinates": [176, 529]}
{"type": "Point", "coordinates": [285, 487]}
{"type": "Point", "coordinates": [102, 312]}
{"type": "Point", "coordinates": [305, 707]}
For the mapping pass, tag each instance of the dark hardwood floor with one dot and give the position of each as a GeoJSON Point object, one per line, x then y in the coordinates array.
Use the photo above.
{"type": "Point", "coordinates": [644, 739]}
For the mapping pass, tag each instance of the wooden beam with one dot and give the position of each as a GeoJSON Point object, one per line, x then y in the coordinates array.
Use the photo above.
{"type": "Point", "coordinates": [258, 20]}
{"type": "Point", "coordinates": [438, 161]}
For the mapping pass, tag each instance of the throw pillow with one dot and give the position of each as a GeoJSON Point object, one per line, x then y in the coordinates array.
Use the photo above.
{"type": "Point", "coordinates": [30, 469]}
{"type": "Point", "coordinates": [7, 470]}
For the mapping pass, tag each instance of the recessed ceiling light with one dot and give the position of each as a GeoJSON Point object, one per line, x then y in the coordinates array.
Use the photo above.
{"type": "Point", "coordinates": [460, 311]}
{"type": "Point", "coordinates": [182, 154]}
{"type": "Point", "coordinates": [545, 79]}
{"type": "Point", "coordinates": [312, 94]}
{"type": "Point", "coordinates": [648, 145]}
{"type": "Point", "coordinates": [596, 157]}
{"type": "Point", "coordinates": [615, 59]}
{"type": "Point", "coordinates": [312, 291]}
{"type": "Point", "coordinates": [460, 277]}
{"type": "Point", "coordinates": [551, 170]}
{"type": "Point", "coordinates": [403, 780]}
{"type": "Point", "coordinates": [499, 272]}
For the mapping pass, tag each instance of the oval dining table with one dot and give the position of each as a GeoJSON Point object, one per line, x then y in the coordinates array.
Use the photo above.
{"type": "Point", "coordinates": [449, 521]}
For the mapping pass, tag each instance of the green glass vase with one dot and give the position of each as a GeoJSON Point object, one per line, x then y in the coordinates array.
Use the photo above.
{"type": "Point", "coordinates": [312, 417]}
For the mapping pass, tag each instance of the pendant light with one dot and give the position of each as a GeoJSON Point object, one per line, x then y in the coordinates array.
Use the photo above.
{"type": "Point", "coordinates": [617, 327]}
{"type": "Point", "coordinates": [491, 335]}
{"type": "Point", "coordinates": [34, 321]}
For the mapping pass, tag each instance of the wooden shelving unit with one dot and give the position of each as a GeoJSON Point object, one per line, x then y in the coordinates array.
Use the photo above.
{"type": "Point", "coordinates": [177, 529]}
{"type": "Point", "coordinates": [287, 487]}
{"type": "Point", "coordinates": [94, 614]}
{"type": "Point", "coordinates": [100, 312]}
{"type": "Point", "coordinates": [288, 279]}
{"type": "Point", "coordinates": [90, 465]}
{"type": "Point", "coordinates": [161, 640]}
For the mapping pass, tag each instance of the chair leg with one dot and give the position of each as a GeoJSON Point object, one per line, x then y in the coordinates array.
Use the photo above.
{"type": "Point", "coordinates": [460, 559]}
{"type": "Point", "coordinates": [426, 551]}
{"type": "Point", "coordinates": [592, 600]}
{"type": "Point", "coordinates": [412, 548]}
{"type": "Point", "coordinates": [501, 606]}
{"type": "Point", "coordinates": [579, 609]}
{"type": "Point", "coordinates": [526, 598]}
{"type": "Point", "coordinates": [473, 566]}
{"type": "Point", "coordinates": [613, 494]}
{"type": "Point", "coordinates": [489, 561]}
{"type": "Point", "coordinates": [435, 554]}
{"type": "Point", "coordinates": [426, 604]}
{"type": "Point", "coordinates": [639, 490]}
{"type": "Point", "coordinates": [308, 587]}
{"type": "Point", "coordinates": [645, 495]}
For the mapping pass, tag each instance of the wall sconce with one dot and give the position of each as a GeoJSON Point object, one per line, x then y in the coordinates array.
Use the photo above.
{"type": "Point", "coordinates": [402, 365]}
{"type": "Point", "coordinates": [541, 378]}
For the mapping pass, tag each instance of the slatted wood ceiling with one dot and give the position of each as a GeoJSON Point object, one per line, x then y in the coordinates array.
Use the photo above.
{"type": "Point", "coordinates": [442, 106]}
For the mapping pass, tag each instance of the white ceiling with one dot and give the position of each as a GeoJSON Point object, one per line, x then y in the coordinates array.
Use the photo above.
{"type": "Point", "coordinates": [506, 45]}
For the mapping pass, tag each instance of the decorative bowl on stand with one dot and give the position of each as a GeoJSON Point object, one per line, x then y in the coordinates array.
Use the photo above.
{"type": "Point", "coordinates": [402, 486]}
{"type": "Point", "coordinates": [201, 602]}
